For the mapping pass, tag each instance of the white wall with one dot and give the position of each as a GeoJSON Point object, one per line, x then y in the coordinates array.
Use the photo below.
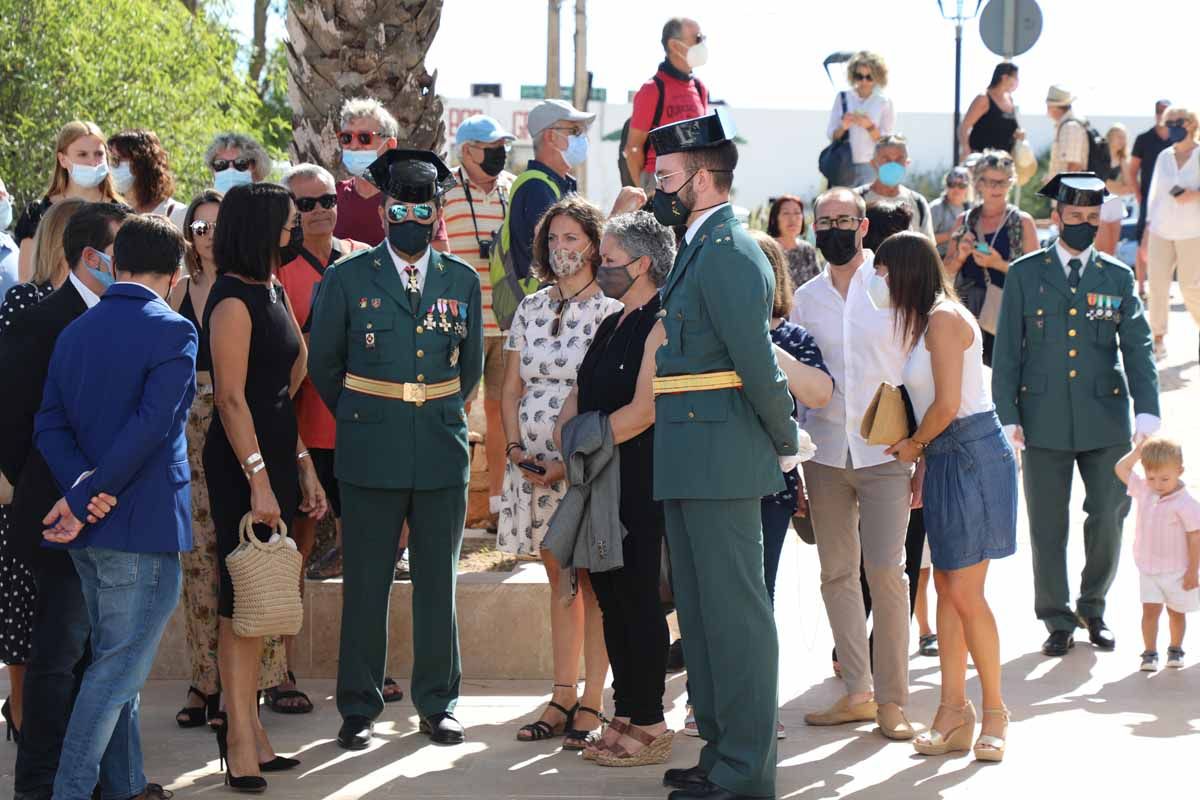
{"type": "Point", "coordinates": [780, 153]}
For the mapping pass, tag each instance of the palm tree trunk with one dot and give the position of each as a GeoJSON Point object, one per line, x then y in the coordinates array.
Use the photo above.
{"type": "Point", "coordinates": [338, 49]}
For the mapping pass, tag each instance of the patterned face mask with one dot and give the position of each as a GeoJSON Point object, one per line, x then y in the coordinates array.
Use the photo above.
{"type": "Point", "coordinates": [566, 263]}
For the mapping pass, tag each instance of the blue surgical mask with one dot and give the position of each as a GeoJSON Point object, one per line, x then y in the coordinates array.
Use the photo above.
{"type": "Point", "coordinates": [577, 150]}
{"type": "Point", "coordinates": [88, 175]}
{"type": "Point", "coordinates": [891, 173]}
{"type": "Point", "coordinates": [105, 279]}
{"type": "Point", "coordinates": [5, 214]}
{"type": "Point", "coordinates": [229, 177]}
{"type": "Point", "coordinates": [357, 161]}
{"type": "Point", "coordinates": [122, 177]}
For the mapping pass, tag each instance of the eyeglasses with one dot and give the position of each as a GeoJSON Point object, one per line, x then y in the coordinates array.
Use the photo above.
{"type": "Point", "coordinates": [863, 76]}
{"type": "Point", "coordinates": [660, 180]}
{"type": "Point", "coordinates": [307, 204]}
{"type": "Point", "coordinates": [364, 137]}
{"type": "Point", "coordinates": [995, 183]}
{"type": "Point", "coordinates": [399, 211]}
{"type": "Point", "coordinates": [956, 185]}
{"type": "Point", "coordinates": [202, 228]}
{"type": "Point", "coordinates": [240, 164]}
{"type": "Point", "coordinates": [842, 223]}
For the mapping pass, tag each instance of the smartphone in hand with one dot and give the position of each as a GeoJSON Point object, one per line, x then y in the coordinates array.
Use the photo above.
{"type": "Point", "coordinates": [529, 466]}
{"type": "Point", "coordinates": [983, 247]}
{"type": "Point", "coordinates": [1177, 190]}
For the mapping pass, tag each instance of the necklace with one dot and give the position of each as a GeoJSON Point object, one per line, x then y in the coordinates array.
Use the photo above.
{"type": "Point", "coordinates": [562, 306]}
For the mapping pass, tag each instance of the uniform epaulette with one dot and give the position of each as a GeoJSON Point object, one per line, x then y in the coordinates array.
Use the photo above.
{"type": "Point", "coordinates": [721, 234]}
{"type": "Point", "coordinates": [450, 257]}
{"type": "Point", "coordinates": [1112, 261]}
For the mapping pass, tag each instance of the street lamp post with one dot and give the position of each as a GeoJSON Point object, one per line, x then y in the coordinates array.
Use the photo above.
{"type": "Point", "coordinates": [958, 17]}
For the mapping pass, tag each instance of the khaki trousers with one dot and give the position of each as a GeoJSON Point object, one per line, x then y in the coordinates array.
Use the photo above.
{"type": "Point", "coordinates": [864, 512]}
{"type": "Point", "coordinates": [1165, 257]}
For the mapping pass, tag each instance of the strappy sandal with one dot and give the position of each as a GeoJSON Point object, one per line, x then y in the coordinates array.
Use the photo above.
{"type": "Point", "coordinates": [575, 739]}
{"type": "Point", "coordinates": [394, 697]}
{"type": "Point", "coordinates": [618, 727]}
{"type": "Point", "coordinates": [991, 748]}
{"type": "Point", "coordinates": [541, 730]}
{"type": "Point", "coordinates": [657, 750]}
{"type": "Point", "coordinates": [956, 740]}
{"type": "Point", "coordinates": [274, 695]}
{"type": "Point", "coordinates": [197, 716]}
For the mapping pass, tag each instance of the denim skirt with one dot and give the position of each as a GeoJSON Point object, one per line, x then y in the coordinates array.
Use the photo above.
{"type": "Point", "coordinates": [970, 493]}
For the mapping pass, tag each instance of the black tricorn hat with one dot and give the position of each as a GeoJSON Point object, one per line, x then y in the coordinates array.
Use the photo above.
{"type": "Point", "coordinates": [414, 176]}
{"type": "Point", "coordinates": [1076, 189]}
{"type": "Point", "coordinates": [693, 134]}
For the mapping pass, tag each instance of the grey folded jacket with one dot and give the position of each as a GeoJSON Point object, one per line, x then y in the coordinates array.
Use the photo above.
{"type": "Point", "coordinates": [586, 531]}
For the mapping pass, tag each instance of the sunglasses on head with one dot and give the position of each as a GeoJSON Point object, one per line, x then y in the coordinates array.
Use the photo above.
{"type": "Point", "coordinates": [202, 228]}
{"type": "Point", "coordinates": [863, 76]}
{"type": "Point", "coordinates": [240, 164]}
{"type": "Point", "coordinates": [364, 137]}
{"type": "Point", "coordinates": [398, 211]}
{"type": "Point", "coordinates": [307, 204]}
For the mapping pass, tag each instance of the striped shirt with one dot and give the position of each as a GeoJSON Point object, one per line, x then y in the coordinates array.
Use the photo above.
{"type": "Point", "coordinates": [467, 230]}
{"type": "Point", "coordinates": [1163, 521]}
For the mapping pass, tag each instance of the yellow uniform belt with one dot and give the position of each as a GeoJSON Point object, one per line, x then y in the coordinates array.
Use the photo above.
{"type": "Point", "coordinates": [416, 393]}
{"type": "Point", "coordinates": [704, 382]}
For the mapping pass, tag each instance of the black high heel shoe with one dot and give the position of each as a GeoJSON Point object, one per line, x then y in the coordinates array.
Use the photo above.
{"type": "Point", "coordinates": [276, 764]}
{"type": "Point", "coordinates": [251, 784]}
{"type": "Point", "coordinates": [11, 732]}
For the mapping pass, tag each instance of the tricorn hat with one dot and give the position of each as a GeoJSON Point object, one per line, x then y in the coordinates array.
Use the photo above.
{"type": "Point", "coordinates": [1076, 189]}
{"type": "Point", "coordinates": [415, 176]}
{"type": "Point", "coordinates": [710, 130]}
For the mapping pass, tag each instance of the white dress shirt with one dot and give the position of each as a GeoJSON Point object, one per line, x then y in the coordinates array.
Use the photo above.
{"type": "Point", "coordinates": [422, 265]}
{"type": "Point", "coordinates": [90, 298]}
{"type": "Point", "coordinates": [700, 220]}
{"type": "Point", "coordinates": [1064, 255]}
{"type": "Point", "coordinates": [862, 350]}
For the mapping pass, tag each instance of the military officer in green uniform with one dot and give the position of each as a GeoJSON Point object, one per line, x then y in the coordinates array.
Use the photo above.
{"type": "Point", "coordinates": [723, 435]}
{"type": "Point", "coordinates": [396, 346]}
{"type": "Point", "coordinates": [1072, 347]}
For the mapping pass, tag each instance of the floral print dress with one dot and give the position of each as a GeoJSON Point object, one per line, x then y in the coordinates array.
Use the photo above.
{"type": "Point", "coordinates": [549, 365]}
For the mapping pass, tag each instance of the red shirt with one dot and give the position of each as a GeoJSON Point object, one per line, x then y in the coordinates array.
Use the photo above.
{"type": "Point", "coordinates": [681, 100]}
{"type": "Point", "coordinates": [358, 217]}
{"type": "Point", "coordinates": [300, 280]}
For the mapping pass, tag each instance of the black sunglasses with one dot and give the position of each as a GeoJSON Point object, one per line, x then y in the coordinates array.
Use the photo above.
{"type": "Point", "coordinates": [1176, 123]}
{"type": "Point", "coordinates": [307, 204]}
{"type": "Point", "coordinates": [240, 164]}
{"type": "Point", "coordinates": [364, 137]}
{"type": "Point", "coordinates": [863, 76]}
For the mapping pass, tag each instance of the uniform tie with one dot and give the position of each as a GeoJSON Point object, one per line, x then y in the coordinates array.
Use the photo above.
{"type": "Point", "coordinates": [414, 289]}
{"type": "Point", "coordinates": [1075, 265]}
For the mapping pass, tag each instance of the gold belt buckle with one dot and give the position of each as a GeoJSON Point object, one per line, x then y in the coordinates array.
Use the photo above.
{"type": "Point", "coordinates": [414, 393]}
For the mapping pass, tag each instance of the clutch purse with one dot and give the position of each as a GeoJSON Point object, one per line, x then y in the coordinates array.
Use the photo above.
{"type": "Point", "coordinates": [886, 419]}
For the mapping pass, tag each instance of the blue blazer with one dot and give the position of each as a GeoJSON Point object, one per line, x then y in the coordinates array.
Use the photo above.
{"type": "Point", "coordinates": [116, 401]}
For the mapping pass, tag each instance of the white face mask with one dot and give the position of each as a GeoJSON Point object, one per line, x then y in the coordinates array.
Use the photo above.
{"type": "Point", "coordinates": [697, 55]}
{"type": "Point", "coordinates": [879, 291]}
{"type": "Point", "coordinates": [122, 177]}
{"type": "Point", "coordinates": [566, 263]}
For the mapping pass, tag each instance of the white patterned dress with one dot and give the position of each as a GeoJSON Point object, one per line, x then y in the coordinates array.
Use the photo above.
{"type": "Point", "coordinates": [548, 368]}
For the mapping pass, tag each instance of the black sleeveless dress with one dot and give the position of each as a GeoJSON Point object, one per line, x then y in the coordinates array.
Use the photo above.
{"type": "Point", "coordinates": [994, 130]}
{"type": "Point", "coordinates": [274, 346]}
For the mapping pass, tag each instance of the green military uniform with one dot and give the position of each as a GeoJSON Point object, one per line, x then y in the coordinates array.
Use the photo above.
{"type": "Point", "coordinates": [1065, 364]}
{"type": "Point", "coordinates": [401, 454]}
{"type": "Point", "coordinates": [715, 457]}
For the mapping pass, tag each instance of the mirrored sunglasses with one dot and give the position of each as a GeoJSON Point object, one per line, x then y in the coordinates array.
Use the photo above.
{"type": "Point", "coordinates": [202, 228]}
{"type": "Point", "coordinates": [399, 211]}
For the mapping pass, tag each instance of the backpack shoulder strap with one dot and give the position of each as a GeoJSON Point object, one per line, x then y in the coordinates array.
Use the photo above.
{"type": "Point", "coordinates": [658, 106]}
{"type": "Point", "coordinates": [701, 90]}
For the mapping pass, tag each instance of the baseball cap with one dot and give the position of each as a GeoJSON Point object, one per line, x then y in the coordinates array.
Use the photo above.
{"type": "Point", "coordinates": [480, 128]}
{"type": "Point", "coordinates": [550, 112]}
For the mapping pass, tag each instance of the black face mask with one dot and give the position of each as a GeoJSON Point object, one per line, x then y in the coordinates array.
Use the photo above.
{"type": "Point", "coordinates": [291, 250]}
{"type": "Point", "coordinates": [838, 246]}
{"type": "Point", "coordinates": [1079, 237]}
{"type": "Point", "coordinates": [615, 281]}
{"type": "Point", "coordinates": [410, 237]}
{"type": "Point", "coordinates": [669, 209]}
{"type": "Point", "coordinates": [493, 160]}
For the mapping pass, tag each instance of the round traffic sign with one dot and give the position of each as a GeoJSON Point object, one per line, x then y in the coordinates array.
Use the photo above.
{"type": "Point", "coordinates": [1010, 27]}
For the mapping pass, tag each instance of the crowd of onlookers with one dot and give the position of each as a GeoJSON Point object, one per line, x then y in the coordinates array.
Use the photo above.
{"type": "Point", "coordinates": [874, 284]}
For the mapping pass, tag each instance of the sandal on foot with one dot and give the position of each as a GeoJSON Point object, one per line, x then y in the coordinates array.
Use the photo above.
{"type": "Point", "coordinates": [274, 695]}
{"type": "Point", "coordinates": [541, 730]}
{"type": "Point", "coordinates": [592, 753]}
{"type": "Point", "coordinates": [958, 739]}
{"type": "Point", "coordinates": [575, 739]}
{"type": "Point", "coordinates": [991, 748]}
{"type": "Point", "coordinates": [657, 750]}
{"type": "Point", "coordinates": [928, 645]}
{"type": "Point", "coordinates": [394, 697]}
{"type": "Point", "coordinates": [194, 716]}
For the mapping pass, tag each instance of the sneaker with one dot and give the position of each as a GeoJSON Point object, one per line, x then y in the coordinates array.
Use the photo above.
{"type": "Point", "coordinates": [1174, 658]}
{"type": "Point", "coordinates": [1150, 661]}
{"type": "Point", "coordinates": [689, 723]}
{"type": "Point", "coordinates": [780, 731]}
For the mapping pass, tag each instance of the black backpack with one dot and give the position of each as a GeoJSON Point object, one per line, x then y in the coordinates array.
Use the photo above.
{"type": "Point", "coordinates": [626, 178]}
{"type": "Point", "coordinates": [1099, 161]}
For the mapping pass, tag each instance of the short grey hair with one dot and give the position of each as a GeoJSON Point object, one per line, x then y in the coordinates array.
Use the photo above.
{"type": "Point", "coordinates": [311, 171]}
{"type": "Point", "coordinates": [639, 234]}
{"type": "Point", "coordinates": [249, 147]}
{"type": "Point", "coordinates": [892, 140]}
{"type": "Point", "coordinates": [369, 107]}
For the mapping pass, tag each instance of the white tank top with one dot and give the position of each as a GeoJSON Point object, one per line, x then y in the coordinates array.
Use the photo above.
{"type": "Point", "coordinates": [976, 384]}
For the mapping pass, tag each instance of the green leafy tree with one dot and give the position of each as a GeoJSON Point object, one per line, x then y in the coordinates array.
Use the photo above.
{"type": "Point", "coordinates": [122, 64]}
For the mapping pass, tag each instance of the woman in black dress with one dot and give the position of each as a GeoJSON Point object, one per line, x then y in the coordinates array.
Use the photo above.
{"type": "Point", "coordinates": [253, 458]}
{"type": "Point", "coordinates": [616, 378]}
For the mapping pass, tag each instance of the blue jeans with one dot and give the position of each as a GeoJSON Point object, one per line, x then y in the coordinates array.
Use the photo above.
{"type": "Point", "coordinates": [130, 597]}
{"type": "Point", "coordinates": [776, 522]}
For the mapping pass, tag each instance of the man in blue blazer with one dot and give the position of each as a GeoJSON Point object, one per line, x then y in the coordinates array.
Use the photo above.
{"type": "Point", "coordinates": [111, 428]}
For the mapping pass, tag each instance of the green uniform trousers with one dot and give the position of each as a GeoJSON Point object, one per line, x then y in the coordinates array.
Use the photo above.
{"type": "Point", "coordinates": [729, 639]}
{"type": "Point", "coordinates": [1047, 476]}
{"type": "Point", "coordinates": [371, 523]}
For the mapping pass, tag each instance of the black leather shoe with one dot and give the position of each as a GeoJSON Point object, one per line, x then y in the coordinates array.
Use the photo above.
{"type": "Point", "coordinates": [1099, 634]}
{"type": "Point", "coordinates": [355, 733]}
{"type": "Point", "coordinates": [443, 728]}
{"type": "Point", "coordinates": [1059, 643]}
{"type": "Point", "coordinates": [675, 656]}
{"type": "Point", "coordinates": [709, 791]}
{"type": "Point", "coordinates": [686, 778]}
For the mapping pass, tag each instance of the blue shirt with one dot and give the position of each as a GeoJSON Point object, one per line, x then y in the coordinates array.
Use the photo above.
{"type": "Point", "coordinates": [9, 253]}
{"type": "Point", "coordinates": [526, 207]}
{"type": "Point", "coordinates": [802, 346]}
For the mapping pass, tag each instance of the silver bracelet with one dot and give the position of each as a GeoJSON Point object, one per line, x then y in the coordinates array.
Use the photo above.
{"type": "Point", "coordinates": [252, 471]}
{"type": "Point", "coordinates": [252, 459]}
{"type": "Point", "coordinates": [302, 454]}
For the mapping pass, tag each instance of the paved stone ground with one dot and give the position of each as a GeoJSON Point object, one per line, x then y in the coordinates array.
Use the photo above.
{"type": "Point", "coordinates": [1090, 724]}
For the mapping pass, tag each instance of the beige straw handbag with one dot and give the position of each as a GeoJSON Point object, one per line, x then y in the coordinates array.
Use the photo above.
{"type": "Point", "coordinates": [266, 584]}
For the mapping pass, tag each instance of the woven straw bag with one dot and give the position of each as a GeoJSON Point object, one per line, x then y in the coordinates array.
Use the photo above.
{"type": "Point", "coordinates": [266, 584]}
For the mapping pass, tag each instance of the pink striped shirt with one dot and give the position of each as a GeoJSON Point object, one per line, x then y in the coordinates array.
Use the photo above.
{"type": "Point", "coordinates": [1163, 521]}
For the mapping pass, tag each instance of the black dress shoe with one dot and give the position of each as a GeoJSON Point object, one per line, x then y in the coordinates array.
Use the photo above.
{"type": "Point", "coordinates": [1058, 644]}
{"type": "Point", "coordinates": [443, 728]}
{"type": "Point", "coordinates": [686, 778]}
{"type": "Point", "coordinates": [355, 733]}
{"type": "Point", "coordinates": [710, 791]}
{"type": "Point", "coordinates": [1099, 634]}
